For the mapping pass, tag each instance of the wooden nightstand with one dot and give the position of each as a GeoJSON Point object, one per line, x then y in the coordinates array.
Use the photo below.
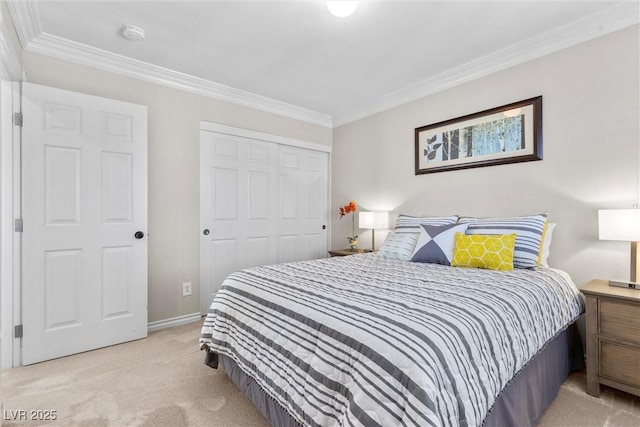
{"type": "Point", "coordinates": [345, 252]}
{"type": "Point", "coordinates": [613, 337]}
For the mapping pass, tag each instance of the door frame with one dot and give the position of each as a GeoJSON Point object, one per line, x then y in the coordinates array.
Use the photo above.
{"type": "Point", "coordinates": [252, 134]}
{"type": "Point", "coordinates": [261, 136]}
{"type": "Point", "coordinates": [10, 241]}
{"type": "Point", "coordinates": [11, 74]}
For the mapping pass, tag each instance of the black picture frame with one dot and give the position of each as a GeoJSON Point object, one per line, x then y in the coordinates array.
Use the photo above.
{"type": "Point", "coordinates": [510, 133]}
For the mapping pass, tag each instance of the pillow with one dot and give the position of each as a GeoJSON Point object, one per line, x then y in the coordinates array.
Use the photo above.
{"type": "Point", "coordinates": [398, 246]}
{"type": "Point", "coordinates": [546, 244]}
{"type": "Point", "coordinates": [529, 232]}
{"type": "Point", "coordinates": [411, 224]}
{"type": "Point", "coordinates": [435, 244]}
{"type": "Point", "coordinates": [491, 251]}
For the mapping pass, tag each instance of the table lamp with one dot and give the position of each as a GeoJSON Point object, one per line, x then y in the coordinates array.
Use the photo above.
{"type": "Point", "coordinates": [624, 225]}
{"type": "Point", "coordinates": [374, 221]}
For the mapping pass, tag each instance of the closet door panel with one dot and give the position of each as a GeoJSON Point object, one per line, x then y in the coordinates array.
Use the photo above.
{"type": "Point", "coordinates": [260, 203]}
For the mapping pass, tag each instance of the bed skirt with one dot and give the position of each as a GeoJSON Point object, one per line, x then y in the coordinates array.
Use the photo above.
{"type": "Point", "coordinates": [270, 409]}
{"type": "Point", "coordinates": [522, 402]}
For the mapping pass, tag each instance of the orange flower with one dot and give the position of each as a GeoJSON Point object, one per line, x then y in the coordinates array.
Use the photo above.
{"type": "Point", "coordinates": [347, 209]}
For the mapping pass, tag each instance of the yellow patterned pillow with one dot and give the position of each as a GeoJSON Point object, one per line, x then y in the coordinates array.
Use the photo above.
{"type": "Point", "coordinates": [491, 251]}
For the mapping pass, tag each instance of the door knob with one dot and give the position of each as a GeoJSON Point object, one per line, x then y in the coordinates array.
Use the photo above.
{"type": "Point", "coordinates": [139, 235]}
{"type": "Point", "coordinates": [206, 232]}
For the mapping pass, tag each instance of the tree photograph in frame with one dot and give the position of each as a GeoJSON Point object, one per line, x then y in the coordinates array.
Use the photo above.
{"type": "Point", "coordinates": [507, 134]}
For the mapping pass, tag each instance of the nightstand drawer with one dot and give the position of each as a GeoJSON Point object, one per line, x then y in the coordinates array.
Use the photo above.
{"type": "Point", "coordinates": [619, 320]}
{"type": "Point", "coordinates": [613, 337]}
{"type": "Point", "coordinates": [620, 363]}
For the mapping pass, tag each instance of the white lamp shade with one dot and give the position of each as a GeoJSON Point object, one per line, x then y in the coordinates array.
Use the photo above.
{"type": "Point", "coordinates": [373, 220]}
{"type": "Point", "coordinates": [619, 224]}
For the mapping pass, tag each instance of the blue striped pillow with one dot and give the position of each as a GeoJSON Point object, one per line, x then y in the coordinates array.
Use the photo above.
{"type": "Point", "coordinates": [411, 224]}
{"type": "Point", "coordinates": [530, 231]}
{"type": "Point", "coordinates": [399, 246]}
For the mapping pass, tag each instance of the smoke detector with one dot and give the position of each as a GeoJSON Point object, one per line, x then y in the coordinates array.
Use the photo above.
{"type": "Point", "coordinates": [132, 32]}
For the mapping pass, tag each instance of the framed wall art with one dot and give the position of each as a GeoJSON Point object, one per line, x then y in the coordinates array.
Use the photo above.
{"type": "Point", "coordinates": [507, 134]}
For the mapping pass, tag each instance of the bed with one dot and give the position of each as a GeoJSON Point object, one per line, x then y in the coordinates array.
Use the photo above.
{"type": "Point", "coordinates": [367, 340]}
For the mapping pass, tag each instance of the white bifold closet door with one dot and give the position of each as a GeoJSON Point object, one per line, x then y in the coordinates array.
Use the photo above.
{"type": "Point", "coordinates": [260, 203]}
{"type": "Point", "coordinates": [84, 204]}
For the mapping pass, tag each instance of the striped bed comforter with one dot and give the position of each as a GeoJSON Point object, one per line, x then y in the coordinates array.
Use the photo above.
{"type": "Point", "coordinates": [366, 340]}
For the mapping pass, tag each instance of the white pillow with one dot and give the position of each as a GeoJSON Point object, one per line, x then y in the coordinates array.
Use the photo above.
{"type": "Point", "coordinates": [399, 246]}
{"type": "Point", "coordinates": [546, 244]}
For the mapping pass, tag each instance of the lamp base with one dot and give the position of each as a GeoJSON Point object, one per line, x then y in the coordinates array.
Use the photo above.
{"type": "Point", "coordinates": [628, 285]}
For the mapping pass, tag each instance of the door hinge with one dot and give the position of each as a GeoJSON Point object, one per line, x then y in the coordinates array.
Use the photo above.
{"type": "Point", "coordinates": [17, 119]}
{"type": "Point", "coordinates": [17, 225]}
{"type": "Point", "coordinates": [17, 331]}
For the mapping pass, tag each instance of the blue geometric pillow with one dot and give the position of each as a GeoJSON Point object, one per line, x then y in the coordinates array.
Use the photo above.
{"type": "Point", "coordinates": [436, 242]}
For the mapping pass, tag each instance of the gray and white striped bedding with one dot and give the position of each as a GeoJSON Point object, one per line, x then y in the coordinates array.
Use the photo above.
{"type": "Point", "coordinates": [366, 340]}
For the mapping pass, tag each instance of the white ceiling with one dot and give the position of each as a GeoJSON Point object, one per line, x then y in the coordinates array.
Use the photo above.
{"type": "Point", "coordinates": [295, 57]}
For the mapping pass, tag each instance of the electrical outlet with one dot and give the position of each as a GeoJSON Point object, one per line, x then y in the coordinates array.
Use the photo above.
{"type": "Point", "coordinates": [186, 289]}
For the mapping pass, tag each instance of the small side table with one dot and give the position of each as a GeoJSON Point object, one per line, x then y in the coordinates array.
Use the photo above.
{"type": "Point", "coordinates": [613, 337]}
{"type": "Point", "coordinates": [346, 252]}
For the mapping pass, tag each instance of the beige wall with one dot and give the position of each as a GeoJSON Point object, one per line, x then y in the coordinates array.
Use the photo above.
{"type": "Point", "coordinates": [591, 157]}
{"type": "Point", "coordinates": [174, 119]}
{"type": "Point", "coordinates": [591, 153]}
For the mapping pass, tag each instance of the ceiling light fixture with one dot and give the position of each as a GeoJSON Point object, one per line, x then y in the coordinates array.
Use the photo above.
{"type": "Point", "coordinates": [132, 32]}
{"type": "Point", "coordinates": [342, 9]}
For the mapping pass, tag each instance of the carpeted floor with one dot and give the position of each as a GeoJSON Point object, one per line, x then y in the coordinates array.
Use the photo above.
{"type": "Point", "coordinates": [162, 381]}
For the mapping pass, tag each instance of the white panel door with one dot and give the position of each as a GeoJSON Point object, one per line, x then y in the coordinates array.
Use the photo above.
{"type": "Point", "coordinates": [84, 266]}
{"type": "Point", "coordinates": [302, 216]}
{"type": "Point", "coordinates": [261, 203]}
{"type": "Point", "coordinates": [237, 208]}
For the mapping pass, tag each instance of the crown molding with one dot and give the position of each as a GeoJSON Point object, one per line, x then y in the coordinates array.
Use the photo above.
{"type": "Point", "coordinates": [27, 23]}
{"type": "Point", "coordinates": [612, 19]}
{"type": "Point", "coordinates": [10, 64]}
{"type": "Point", "coordinates": [24, 14]}
{"type": "Point", "coordinates": [26, 19]}
{"type": "Point", "coordinates": [58, 47]}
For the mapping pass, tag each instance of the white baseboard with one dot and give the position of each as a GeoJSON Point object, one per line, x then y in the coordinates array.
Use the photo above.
{"type": "Point", "coordinates": [175, 321]}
